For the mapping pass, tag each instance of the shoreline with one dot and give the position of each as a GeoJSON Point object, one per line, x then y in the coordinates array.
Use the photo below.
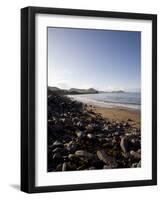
{"type": "Point", "coordinates": [113, 113]}
{"type": "Point", "coordinates": [119, 114]}
{"type": "Point", "coordinates": [103, 104]}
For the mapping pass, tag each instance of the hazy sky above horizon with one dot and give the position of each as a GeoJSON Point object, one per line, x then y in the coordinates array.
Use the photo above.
{"type": "Point", "coordinates": [101, 59]}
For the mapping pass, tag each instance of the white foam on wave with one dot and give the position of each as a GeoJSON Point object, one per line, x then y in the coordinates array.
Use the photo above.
{"type": "Point", "coordinates": [94, 102]}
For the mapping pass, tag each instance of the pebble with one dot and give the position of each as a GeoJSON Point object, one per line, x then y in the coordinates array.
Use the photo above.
{"type": "Point", "coordinates": [106, 167]}
{"type": "Point", "coordinates": [84, 154]}
{"type": "Point", "coordinates": [116, 133]}
{"type": "Point", "coordinates": [139, 164]}
{"type": "Point", "coordinates": [92, 168]}
{"type": "Point", "coordinates": [64, 167]}
{"type": "Point", "coordinates": [80, 134]}
{"type": "Point", "coordinates": [71, 146]}
{"type": "Point", "coordinates": [57, 156]}
{"type": "Point", "coordinates": [80, 124]}
{"type": "Point", "coordinates": [57, 149]}
{"type": "Point", "coordinates": [59, 167]}
{"type": "Point", "coordinates": [105, 128]}
{"type": "Point", "coordinates": [72, 156]}
{"type": "Point", "coordinates": [90, 136]}
{"type": "Point", "coordinates": [108, 160]}
{"type": "Point", "coordinates": [57, 144]}
{"type": "Point", "coordinates": [89, 128]}
{"type": "Point", "coordinates": [135, 155]}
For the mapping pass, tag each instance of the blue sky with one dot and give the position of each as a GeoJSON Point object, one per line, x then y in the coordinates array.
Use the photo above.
{"type": "Point", "coordinates": [102, 59]}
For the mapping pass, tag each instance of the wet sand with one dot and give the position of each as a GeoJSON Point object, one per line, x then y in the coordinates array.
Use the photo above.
{"type": "Point", "coordinates": [132, 116]}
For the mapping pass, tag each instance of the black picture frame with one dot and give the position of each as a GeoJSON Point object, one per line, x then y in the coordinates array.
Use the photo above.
{"type": "Point", "coordinates": [28, 98]}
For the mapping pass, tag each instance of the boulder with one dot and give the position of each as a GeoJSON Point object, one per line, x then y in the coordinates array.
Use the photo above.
{"type": "Point", "coordinates": [84, 154]}
{"type": "Point", "coordinates": [108, 160]}
{"type": "Point", "coordinates": [124, 144]}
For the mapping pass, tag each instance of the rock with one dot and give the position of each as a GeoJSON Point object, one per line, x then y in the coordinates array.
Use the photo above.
{"type": "Point", "coordinates": [107, 145]}
{"type": "Point", "coordinates": [59, 167]}
{"type": "Point", "coordinates": [126, 125]}
{"type": "Point", "coordinates": [82, 167]}
{"type": "Point", "coordinates": [108, 139]}
{"type": "Point", "coordinates": [57, 128]}
{"type": "Point", "coordinates": [106, 167]}
{"type": "Point", "coordinates": [126, 155]}
{"type": "Point", "coordinates": [134, 165]}
{"type": "Point", "coordinates": [57, 144]}
{"type": "Point", "coordinates": [57, 149]}
{"type": "Point", "coordinates": [80, 134]}
{"type": "Point", "coordinates": [89, 128]}
{"type": "Point", "coordinates": [100, 135]}
{"type": "Point", "coordinates": [139, 164]}
{"type": "Point", "coordinates": [108, 160]}
{"type": "Point", "coordinates": [63, 120]}
{"type": "Point", "coordinates": [139, 151]}
{"type": "Point", "coordinates": [85, 154]}
{"type": "Point", "coordinates": [117, 127]}
{"type": "Point", "coordinates": [57, 157]}
{"type": "Point", "coordinates": [135, 142]}
{"type": "Point", "coordinates": [116, 133]}
{"type": "Point", "coordinates": [75, 119]}
{"type": "Point", "coordinates": [135, 155]}
{"type": "Point", "coordinates": [72, 156]}
{"type": "Point", "coordinates": [49, 108]}
{"type": "Point", "coordinates": [71, 166]}
{"type": "Point", "coordinates": [91, 168]}
{"type": "Point", "coordinates": [114, 141]}
{"type": "Point", "coordinates": [80, 124]}
{"type": "Point", "coordinates": [136, 133]}
{"type": "Point", "coordinates": [90, 136]}
{"type": "Point", "coordinates": [128, 134]}
{"type": "Point", "coordinates": [64, 167]}
{"type": "Point", "coordinates": [105, 128]}
{"type": "Point", "coordinates": [130, 120]}
{"type": "Point", "coordinates": [124, 144]}
{"type": "Point", "coordinates": [71, 146]}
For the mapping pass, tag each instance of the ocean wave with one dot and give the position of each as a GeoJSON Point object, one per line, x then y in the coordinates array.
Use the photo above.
{"type": "Point", "coordinates": [105, 103]}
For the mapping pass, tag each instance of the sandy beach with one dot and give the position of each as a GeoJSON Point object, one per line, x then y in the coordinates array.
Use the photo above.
{"type": "Point", "coordinates": [121, 114]}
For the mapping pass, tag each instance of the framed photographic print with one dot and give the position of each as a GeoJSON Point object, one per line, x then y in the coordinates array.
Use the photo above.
{"type": "Point", "coordinates": [88, 99]}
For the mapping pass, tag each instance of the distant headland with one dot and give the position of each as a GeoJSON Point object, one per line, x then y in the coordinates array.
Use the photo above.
{"type": "Point", "coordinates": [74, 91]}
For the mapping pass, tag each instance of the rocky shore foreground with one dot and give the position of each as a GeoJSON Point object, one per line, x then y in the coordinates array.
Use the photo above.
{"type": "Point", "coordinates": [81, 139]}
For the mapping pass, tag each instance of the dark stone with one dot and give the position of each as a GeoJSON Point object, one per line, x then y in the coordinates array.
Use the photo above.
{"type": "Point", "coordinates": [71, 147]}
{"type": "Point", "coordinates": [80, 134]}
{"type": "Point", "coordinates": [85, 154]}
{"type": "Point", "coordinates": [57, 157]}
{"type": "Point", "coordinates": [124, 144]}
{"type": "Point", "coordinates": [57, 144]}
{"type": "Point", "coordinates": [108, 160]}
{"type": "Point", "coordinates": [92, 168]}
{"type": "Point", "coordinates": [64, 167]}
{"type": "Point", "coordinates": [91, 136]}
{"type": "Point", "coordinates": [135, 155]}
{"type": "Point", "coordinates": [59, 167]}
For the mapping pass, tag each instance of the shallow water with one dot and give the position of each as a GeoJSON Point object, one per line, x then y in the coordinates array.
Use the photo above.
{"type": "Point", "coordinates": [129, 100]}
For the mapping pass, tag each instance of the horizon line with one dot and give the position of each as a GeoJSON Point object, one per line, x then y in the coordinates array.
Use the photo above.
{"type": "Point", "coordinates": [103, 90]}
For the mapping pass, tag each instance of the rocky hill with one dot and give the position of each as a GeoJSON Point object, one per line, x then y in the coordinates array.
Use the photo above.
{"type": "Point", "coordinates": [72, 91]}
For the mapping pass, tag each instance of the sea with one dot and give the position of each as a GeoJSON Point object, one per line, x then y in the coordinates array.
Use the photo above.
{"type": "Point", "coordinates": [128, 100]}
